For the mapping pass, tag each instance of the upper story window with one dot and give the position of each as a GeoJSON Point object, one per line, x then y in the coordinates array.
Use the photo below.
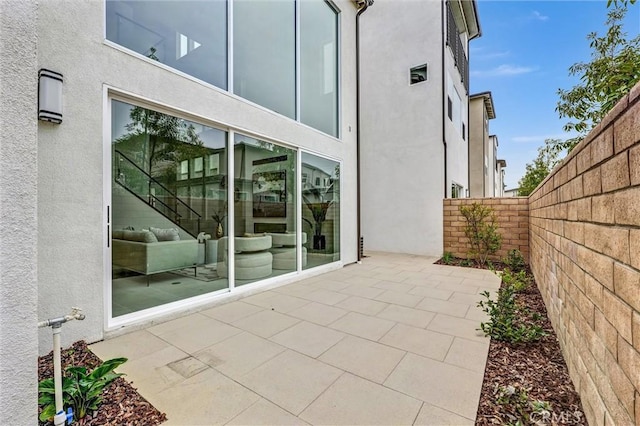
{"type": "Point", "coordinates": [188, 36]}
{"type": "Point", "coordinates": [264, 53]}
{"type": "Point", "coordinates": [191, 36]}
{"type": "Point", "coordinates": [418, 74]}
{"type": "Point", "coordinates": [457, 48]}
{"type": "Point", "coordinates": [454, 108]}
{"type": "Point", "coordinates": [319, 66]}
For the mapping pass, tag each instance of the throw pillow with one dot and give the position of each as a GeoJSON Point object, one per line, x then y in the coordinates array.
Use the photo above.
{"type": "Point", "coordinates": [170, 234]}
{"type": "Point", "coordinates": [138, 236]}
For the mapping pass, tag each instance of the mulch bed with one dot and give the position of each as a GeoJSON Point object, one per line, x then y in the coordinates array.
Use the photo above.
{"type": "Point", "coordinates": [121, 404]}
{"type": "Point", "coordinates": [538, 368]}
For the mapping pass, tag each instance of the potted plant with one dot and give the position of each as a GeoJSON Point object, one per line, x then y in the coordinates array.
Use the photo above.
{"type": "Point", "coordinates": [219, 216]}
{"type": "Point", "coordinates": [318, 208]}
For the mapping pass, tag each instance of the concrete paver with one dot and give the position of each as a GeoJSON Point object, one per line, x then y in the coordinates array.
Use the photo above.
{"type": "Point", "coordinates": [393, 340]}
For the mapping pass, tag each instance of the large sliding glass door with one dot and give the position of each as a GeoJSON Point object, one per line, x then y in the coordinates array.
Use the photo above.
{"type": "Point", "coordinates": [183, 222]}
{"type": "Point", "coordinates": [167, 191]}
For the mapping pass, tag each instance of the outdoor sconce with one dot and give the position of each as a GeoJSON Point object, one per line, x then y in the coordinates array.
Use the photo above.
{"type": "Point", "coordinates": [50, 96]}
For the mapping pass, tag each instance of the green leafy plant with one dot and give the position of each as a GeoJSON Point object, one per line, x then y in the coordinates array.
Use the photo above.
{"type": "Point", "coordinates": [447, 258]}
{"type": "Point", "coordinates": [482, 231]}
{"type": "Point", "coordinates": [515, 260]}
{"type": "Point", "coordinates": [519, 280]}
{"type": "Point", "coordinates": [503, 323]}
{"type": "Point", "coordinates": [80, 389]}
{"type": "Point", "coordinates": [519, 405]}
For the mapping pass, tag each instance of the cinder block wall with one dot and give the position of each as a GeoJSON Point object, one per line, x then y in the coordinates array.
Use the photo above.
{"type": "Point", "coordinates": [585, 255]}
{"type": "Point", "coordinates": [513, 224]}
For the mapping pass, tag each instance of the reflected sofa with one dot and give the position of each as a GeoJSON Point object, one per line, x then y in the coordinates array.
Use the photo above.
{"type": "Point", "coordinates": [139, 252]}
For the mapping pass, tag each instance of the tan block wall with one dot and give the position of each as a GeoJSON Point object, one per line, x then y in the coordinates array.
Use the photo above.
{"type": "Point", "coordinates": [585, 255]}
{"type": "Point", "coordinates": [513, 224]}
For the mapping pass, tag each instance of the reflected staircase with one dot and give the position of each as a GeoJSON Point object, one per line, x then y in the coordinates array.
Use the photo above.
{"type": "Point", "coordinates": [152, 192]}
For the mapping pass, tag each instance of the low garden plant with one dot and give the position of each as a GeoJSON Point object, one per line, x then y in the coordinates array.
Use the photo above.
{"type": "Point", "coordinates": [505, 318]}
{"type": "Point", "coordinates": [82, 390]}
{"type": "Point", "coordinates": [515, 260]}
{"type": "Point", "coordinates": [521, 409]}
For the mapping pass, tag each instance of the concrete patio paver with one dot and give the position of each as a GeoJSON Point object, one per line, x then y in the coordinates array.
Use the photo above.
{"type": "Point", "coordinates": [393, 340]}
{"type": "Point", "coordinates": [443, 385]}
{"type": "Point", "coordinates": [352, 400]}
{"type": "Point", "coordinates": [307, 338]}
{"type": "Point", "coordinates": [291, 380]}
{"type": "Point", "coordinates": [239, 354]}
{"type": "Point", "coordinates": [364, 358]}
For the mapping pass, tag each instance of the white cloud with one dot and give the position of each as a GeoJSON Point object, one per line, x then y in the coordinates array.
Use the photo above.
{"type": "Point", "coordinates": [490, 55]}
{"type": "Point", "coordinates": [539, 16]}
{"type": "Point", "coordinates": [504, 70]}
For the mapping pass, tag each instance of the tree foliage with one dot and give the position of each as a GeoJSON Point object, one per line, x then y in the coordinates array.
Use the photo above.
{"type": "Point", "coordinates": [548, 157]}
{"type": "Point", "coordinates": [612, 72]}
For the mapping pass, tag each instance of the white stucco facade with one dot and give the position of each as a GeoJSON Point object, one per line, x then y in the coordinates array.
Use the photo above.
{"type": "Point", "coordinates": [54, 186]}
{"type": "Point", "coordinates": [18, 212]}
{"type": "Point", "coordinates": [72, 246]}
{"type": "Point", "coordinates": [411, 151]}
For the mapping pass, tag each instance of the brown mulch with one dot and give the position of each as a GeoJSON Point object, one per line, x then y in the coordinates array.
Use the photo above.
{"type": "Point", "coordinates": [537, 368]}
{"type": "Point", "coordinates": [121, 404]}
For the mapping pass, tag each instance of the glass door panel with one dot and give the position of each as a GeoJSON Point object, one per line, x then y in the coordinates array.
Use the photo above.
{"type": "Point", "coordinates": [168, 207]}
{"type": "Point", "coordinates": [265, 210]}
{"type": "Point", "coordinates": [321, 209]}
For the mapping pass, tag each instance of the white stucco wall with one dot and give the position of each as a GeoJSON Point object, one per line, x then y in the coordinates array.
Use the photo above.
{"type": "Point", "coordinates": [477, 140]}
{"type": "Point", "coordinates": [402, 156]}
{"type": "Point", "coordinates": [71, 242]}
{"type": "Point", "coordinates": [457, 146]}
{"type": "Point", "coordinates": [18, 210]}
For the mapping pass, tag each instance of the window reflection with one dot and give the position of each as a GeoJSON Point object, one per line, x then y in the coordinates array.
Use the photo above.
{"type": "Point", "coordinates": [321, 209]}
{"type": "Point", "coordinates": [190, 36]}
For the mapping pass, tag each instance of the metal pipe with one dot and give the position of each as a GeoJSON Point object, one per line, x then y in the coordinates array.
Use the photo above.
{"type": "Point", "coordinates": [363, 5]}
{"type": "Point", "coordinates": [60, 417]}
{"type": "Point", "coordinates": [57, 375]}
{"type": "Point", "coordinates": [444, 94]}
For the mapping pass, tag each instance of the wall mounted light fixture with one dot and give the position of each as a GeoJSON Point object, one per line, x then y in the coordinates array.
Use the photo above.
{"type": "Point", "coordinates": [50, 96]}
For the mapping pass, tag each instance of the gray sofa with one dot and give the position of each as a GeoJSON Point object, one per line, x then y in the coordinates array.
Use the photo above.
{"type": "Point", "coordinates": [130, 250]}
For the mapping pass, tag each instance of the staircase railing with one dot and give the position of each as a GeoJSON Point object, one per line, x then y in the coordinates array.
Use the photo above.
{"type": "Point", "coordinates": [143, 186]}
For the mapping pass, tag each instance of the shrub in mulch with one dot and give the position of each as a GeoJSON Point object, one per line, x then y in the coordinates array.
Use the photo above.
{"type": "Point", "coordinates": [527, 383]}
{"type": "Point", "coordinates": [121, 404]}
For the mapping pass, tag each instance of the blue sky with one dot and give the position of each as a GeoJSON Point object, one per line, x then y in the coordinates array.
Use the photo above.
{"type": "Point", "coordinates": [523, 58]}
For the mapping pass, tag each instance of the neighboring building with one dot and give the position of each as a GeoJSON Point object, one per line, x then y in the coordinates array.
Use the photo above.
{"type": "Point", "coordinates": [483, 147]}
{"type": "Point", "coordinates": [414, 132]}
{"type": "Point", "coordinates": [511, 192]}
{"type": "Point", "coordinates": [500, 166]}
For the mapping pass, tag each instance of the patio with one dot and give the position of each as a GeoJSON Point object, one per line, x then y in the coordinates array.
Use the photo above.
{"type": "Point", "coordinates": [390, 341]}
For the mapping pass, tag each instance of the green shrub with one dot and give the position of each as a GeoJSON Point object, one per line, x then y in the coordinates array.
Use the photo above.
{"type": "Point", "coordinates": [519, 281]}
{"type": "Point", "coordinates": [482, 231]}
{"type": "Point", "coordinates": [503, 321]}
{"type": "Point", "coordinates": [515, 261]}
{"type": "Point", "coordinates": [80, 389]}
